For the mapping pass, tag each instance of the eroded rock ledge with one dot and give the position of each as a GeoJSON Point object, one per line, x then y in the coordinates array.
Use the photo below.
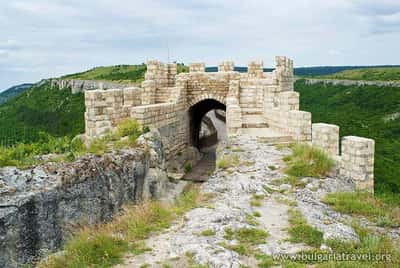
{"type": "Point", "coordinates": [40, 207]}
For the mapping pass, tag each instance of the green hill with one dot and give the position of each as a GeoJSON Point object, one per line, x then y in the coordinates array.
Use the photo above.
{"type": "Point", "coordinates": [120, 73]}
{"type": "Point", "coordinates": [368, 74]}
{"type": "Point", "coordinates": [367, 111]}
{"type": "Point", "coordinates": [13, 91]}
{"type": "Point", "coordinates": [41, 109]}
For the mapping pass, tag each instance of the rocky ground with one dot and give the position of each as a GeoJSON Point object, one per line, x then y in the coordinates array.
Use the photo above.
{"type": "Point", "coordinates": [200, 237]}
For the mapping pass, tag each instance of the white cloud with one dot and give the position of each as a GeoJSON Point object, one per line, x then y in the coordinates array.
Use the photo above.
{"type": "Point", "coordinates": [49, 38]}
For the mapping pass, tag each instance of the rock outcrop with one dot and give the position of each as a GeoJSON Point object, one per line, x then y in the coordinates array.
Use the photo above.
{"type": "Point", "coordinates": [39, 207]}
{"type": "Point", "coordinates": [78, 85]}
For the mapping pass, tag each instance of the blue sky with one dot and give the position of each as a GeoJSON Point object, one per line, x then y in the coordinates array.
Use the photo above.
{"type": "Point", "coordinates": [48, 38]}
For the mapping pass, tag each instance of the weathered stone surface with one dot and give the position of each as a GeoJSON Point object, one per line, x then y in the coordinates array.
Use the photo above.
{"type": "Point", "coordinates": [40, 206]}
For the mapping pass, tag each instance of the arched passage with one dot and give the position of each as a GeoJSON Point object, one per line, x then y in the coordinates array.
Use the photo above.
{"type": "Point", "coordinates": [197, 112]}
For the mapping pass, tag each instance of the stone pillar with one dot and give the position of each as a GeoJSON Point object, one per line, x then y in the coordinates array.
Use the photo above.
{"type": "Point", "coordinates": [226, 66]}
{"type": "Point", "coordinates": [233, 110]}
{"type": "Point", "coordinates": [255, 69]}
{"type": "Point", "coordinates": [299, 125]}
{"type": "Point", "coordinates": [171, 71]}
{"type": "Point", "coordinates": [197, 67]}
{"type": "Point", "coordinates": [357, 161]}
{"type": "Point", "coordinates": [148, 92]}
{"type": "Point", "coordinates": [326, 137]}
{"type": "Point", "coordinates": [284, 73]}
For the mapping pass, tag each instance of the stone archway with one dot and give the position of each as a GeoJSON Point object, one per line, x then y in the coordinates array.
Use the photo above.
{"type": "Point", "coordinates": [197, 111]}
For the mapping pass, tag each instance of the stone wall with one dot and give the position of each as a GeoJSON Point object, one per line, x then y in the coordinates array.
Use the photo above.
{"type": "Point", "coordinates": [326, 137]}
{"type": "Point", "coordinates": [356, 160]}
{"type": "Point", "coordinates": [41, 206]}
{"type": "Point", "coordinates": [254, 100]}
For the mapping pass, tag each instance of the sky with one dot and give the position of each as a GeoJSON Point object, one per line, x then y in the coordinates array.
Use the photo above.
{"type": "Point", "coordinates": [48, 38]}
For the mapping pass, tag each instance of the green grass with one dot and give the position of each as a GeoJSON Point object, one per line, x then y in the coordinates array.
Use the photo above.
{"type": "Point", "coordinates": [366, 111]}
{"type": "Point", "coordinates": [247, 239]}
{"type": "Point", "coordinates": [369, 243]}
{"type": "Point", "coordinates": [301, 232]}
{"type": "Point", "coordinates": [208, 232]}
{"type": "Point", "coordinates": [228, 161]}
{"type": "Point", "coordinates": [308, 161]}
{"type": "Point", "coordinates": [41, 109]}
{"type": "Point", "coordinates": [367, 74]}
{"type": "Point", "coordinates": [104, 245]}
{"type": "Point", "coordinates": [365, 204]}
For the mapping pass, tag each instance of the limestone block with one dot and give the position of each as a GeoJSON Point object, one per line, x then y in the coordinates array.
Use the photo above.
{"type": "Point", "coordinates": [226, 66]}
{"type": "Point", "coordinates": [357, 161]}
{"type": "Point", "coordinates": [197, 67]}
{"type": "Point", "coordinates": [326, 137]}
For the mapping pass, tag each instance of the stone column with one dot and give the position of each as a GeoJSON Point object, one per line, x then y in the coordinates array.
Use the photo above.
{"type": "Point", "coordinates": [148, 92]}
{"type": "Point", "coordinates": [233, 110]}
{"type": "Point", "coordinates": [326, 137]}
{"type": "Point", "coordinates": [357, 161]}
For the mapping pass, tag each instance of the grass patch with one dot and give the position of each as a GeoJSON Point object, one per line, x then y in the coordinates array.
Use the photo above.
{"type": "Point", "coordinates": [251, 220]}
{"type": "Point", "coordinates": [208, 232]}
{"type": "Point", "coordinates": [228, 161]}
{"type": "Point", "coordinates": [301, 232]}
{"type": "Point", "coordinates": [250, 236]}
{"type": "Point", "coordinates": [256, 214]}
{"type": "Point", "coordinates": [370, 243]}
{"type": "Point", "coordinates": [272, 167]}
{"type": "Point", "coordinates": [365, 204]}
{"type": "Point", "coordinates": [104, 245]}
{"type": "Point", "coordinates": [247, 238]}
{"type": "Point", "coordinates": [308, 161]}
{"type": "Point", "coordinates": [256, 200]}
{"type": "Point", "coordinates": [188, 167]}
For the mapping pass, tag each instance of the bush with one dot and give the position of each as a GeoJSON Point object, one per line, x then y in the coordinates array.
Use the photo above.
{"type": "Point", "coordinates": [308, 161]}
{"type": "Point", "coordinates": [128, 127]}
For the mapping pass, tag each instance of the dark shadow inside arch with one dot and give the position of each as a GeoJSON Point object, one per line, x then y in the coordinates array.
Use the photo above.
{"type": "Point", "coordinates": [197, 113]}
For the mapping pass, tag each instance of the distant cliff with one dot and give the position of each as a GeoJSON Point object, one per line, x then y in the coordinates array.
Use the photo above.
{"type": "Point", "coordinates": [78, 85]}
{"type": "Point", "coordinates": [13, 91]}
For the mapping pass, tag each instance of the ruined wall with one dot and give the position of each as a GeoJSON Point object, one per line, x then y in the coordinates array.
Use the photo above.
{"type": "Point", "coordinates": [255, 100]}
{"type": "Point", "coordinates": [356, 160]}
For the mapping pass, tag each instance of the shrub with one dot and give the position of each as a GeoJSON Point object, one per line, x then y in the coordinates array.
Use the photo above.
{"type": "Point", "coordinates": [128, 127]}
{"type": "Point", "coordinates": [308, 161]}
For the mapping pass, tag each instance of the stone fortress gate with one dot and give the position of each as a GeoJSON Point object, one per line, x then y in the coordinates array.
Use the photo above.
{"type": "Point", "coordinates": [257, 103]}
